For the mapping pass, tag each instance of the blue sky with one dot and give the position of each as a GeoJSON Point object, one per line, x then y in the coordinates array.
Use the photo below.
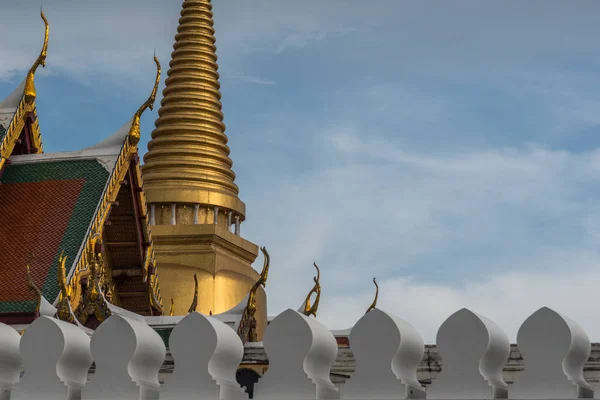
{"type": "Point", "coordinates": [448, 148]}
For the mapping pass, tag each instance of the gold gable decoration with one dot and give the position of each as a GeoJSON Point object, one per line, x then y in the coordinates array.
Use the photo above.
{"type": "Point", "coordinates": [94, 301]}
{"type": "Point", "coordinates": [26, 107]}
{"type": "Point", "coordinates": [127, 154]}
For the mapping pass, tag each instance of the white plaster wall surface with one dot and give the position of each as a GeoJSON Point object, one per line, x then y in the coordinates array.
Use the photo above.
{"type": "Point", "coordinates": [391, 361]}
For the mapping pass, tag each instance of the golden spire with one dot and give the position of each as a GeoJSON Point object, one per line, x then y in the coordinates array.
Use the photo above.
{"type": "Point", "coordinates": [134, 131]}
{"type": "Point", "coordinates": [308, 309]}
{"type": "Point", "coordinates": [262, 281]}
{"type": "Point", "coordinates": [29, 90]}
{"type": "Point", "coordinates": [188, 157]}
{"type": "Point", "coordinates": [374, 304]}
{"type": "Point", "coordinates": [195, 300]}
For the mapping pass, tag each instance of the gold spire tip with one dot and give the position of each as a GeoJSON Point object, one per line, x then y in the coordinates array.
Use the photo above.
{"type": "Point", "coordinates": [134, 131]}
{"type": "Point", "coordinates": [29, 92]}
{"type": "Point", "coordinates": [374, 304]}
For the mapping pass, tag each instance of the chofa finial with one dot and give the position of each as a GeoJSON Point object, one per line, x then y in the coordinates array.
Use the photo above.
{"type": "Point", "coordinates": [172, 310]}
{"type": "Point", "coordinates": [29, 91]}
{"type": "Point", "coordinates": [308, 309]}
{"type": "Point", "coordinates": [134, 131]}
{"type": "Point", "coordinates": [195, 300]}
{"type": "Point", "coordinates": [374, 304]}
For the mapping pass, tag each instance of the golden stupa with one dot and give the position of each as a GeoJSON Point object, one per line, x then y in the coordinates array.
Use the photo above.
{"type": "Point", "coordinates": [195, 210]}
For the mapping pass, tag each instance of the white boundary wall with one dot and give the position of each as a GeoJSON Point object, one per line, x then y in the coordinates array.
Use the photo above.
{"type": "Point", "coordinates": [56, 356]}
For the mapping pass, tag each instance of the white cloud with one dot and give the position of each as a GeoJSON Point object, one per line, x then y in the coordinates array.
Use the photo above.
{"type": "Point", "coordinates": [502, 231]}
{"type": "Point", "coordinates": [508, 298]}
{"type": "Point", "coordinates": [253, 79]}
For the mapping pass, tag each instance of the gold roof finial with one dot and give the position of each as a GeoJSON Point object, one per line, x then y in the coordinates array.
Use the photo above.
{"type": "Point", "coordinates": [29, 90]}
{"type": "Point", "coordinates": [34, 287]}
{"type": "Point", "coordinates": [374, 304]}
{"type": "Point", "coordinates": [308, 309]}
{"type": "Point", "coordinates": [134, 131]}
{"type": "Point", "coordinates": [195, 300]}
{"type": "Point", "coordinates": [172, 310]}
{"type": "Point", "coordinates": [262, 281]}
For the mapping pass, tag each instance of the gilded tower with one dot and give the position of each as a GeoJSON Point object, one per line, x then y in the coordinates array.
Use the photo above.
{"type": "Point", "coordinates": [189, 184]}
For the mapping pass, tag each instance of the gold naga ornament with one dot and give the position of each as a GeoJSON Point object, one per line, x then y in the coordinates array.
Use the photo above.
{"type": "Point", "coordinates": [29, 91]}
{"type": "Point", "coordinates": [247, 327]}
{"type": "Point", "coordinates": [308, 309]}
{"type": "Point", "coordinates": [262, 281]}
{"type": "Point", "coordinates": [134, 131]}
{"type": "Point", "coordinates": [34, 287]}
{"type": "Point", "coordinates": [172, 310]}
{"type": "Point", "coordinates": [374, 304]}
{"type": "Point", "coordinates": [194, 301]}
{"type": "Point", "coordinates": [64, 310]}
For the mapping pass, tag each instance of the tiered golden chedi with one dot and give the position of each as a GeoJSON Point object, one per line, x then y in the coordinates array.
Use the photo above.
{"type": "Point", "coordinates": [189, 184]}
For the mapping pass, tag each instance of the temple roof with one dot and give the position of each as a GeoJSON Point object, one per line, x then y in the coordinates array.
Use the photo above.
{"type": "Point", "coordinates": [54, 202]}
{"type": "Point", "coordinates": [46, 208]}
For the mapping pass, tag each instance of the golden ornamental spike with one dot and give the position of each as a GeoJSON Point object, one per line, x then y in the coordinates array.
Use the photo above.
{"type": "Point", "coordinates": [262, 281]}
{"type": "Point", "coordinates": [134, 131]}
{"type": "Point", "coordinates": [195, 300]}
{"type": "Point", "coordinates": [34, 287]}
{"type": "Point", "coordinates": [62, 276]}
{"type": "Point", "coordinates": [172, 310]}
{"type": "Point", "coordinates": [308, 309]}
{"type": "Point", "coordinates": [374, 304]}
{"type": "Point", "coordinates": [29, 91]}
{"type": "Point", "coordinates": [63, 309]}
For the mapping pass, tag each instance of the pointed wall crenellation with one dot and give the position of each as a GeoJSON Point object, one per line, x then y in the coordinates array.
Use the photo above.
{"type": "Point", "coordinates": [301, 352]}
{"type": "Point", "coordinates": [128, 355]}
{"type": "Point", "coordinates": [10, 360]}
{"type": "Point", "coordinates": [380, 340]}
{"type": "Point", "coordinates": [56, 356]}
{"type": "Point", "coordinates": [555, 349]}
{"type": "Point", "coordinates": [205, 367]}
{"type": "Point", "coordinates": [474, 350]}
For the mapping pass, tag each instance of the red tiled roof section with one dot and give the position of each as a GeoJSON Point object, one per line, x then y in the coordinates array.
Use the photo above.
{"type": "Point", "coordinates": [38, 214]}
